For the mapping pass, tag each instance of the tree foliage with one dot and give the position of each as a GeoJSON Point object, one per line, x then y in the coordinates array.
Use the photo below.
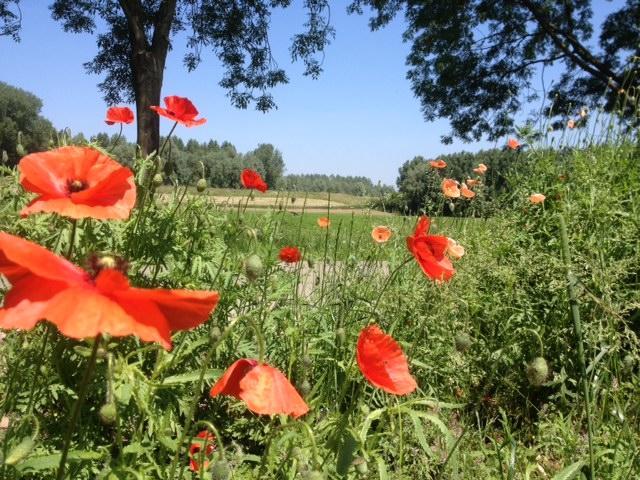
{"type": "Point", "coordinates": [359, 186]}
{"type": "Point", "coordinates": [10, 19]}
{"type": "Point", "coordinates": [473, 62]}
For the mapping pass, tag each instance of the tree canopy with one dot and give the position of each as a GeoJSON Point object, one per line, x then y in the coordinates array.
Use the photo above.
{"type": "Point", "coordinates": [10, 18]}
{"type": "Point", "coordinates": [473, 62]}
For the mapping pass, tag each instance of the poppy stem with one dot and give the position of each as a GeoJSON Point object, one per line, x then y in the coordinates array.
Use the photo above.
{"type": "Point", "coordinates": [164, 144]}
{"type": "Point", "coordinates": [116, 141]}
{"type": "Point", "coordinates": [390, 278]}
{"type": "Point", "coordinates": [75, 412]}
{"type": "Point", "coordinates": [72, 237]}
{"type": "Point", "coordinates": [575, 314]}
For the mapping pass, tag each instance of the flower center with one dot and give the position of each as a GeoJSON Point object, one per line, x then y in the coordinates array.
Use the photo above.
{"type": "Point", "coordinates": [97, 262]}
{"type": "Point", "coordinates": [76, 185]}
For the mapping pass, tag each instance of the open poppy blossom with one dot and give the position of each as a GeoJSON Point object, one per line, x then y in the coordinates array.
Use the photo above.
{"type": "Point", "coordinates": [429, 252]}
{"type": "Point", "coordinates": [513, 144]}
{"type": "Point", "coordinates": [537, 198]}
{"type": "Point", "coordinates": [465, 192]}
{"type": "Point", "coordinates": [290, 254]}
{"type": "Point", "coordinates": [264, 389]}
{"type": "Point", "coordinates": [252, 180]}
{"type": "Point", "coordinates": [571, 124]}
{"type": "Point", "coordinates": [438, 164]}
{"type": "Point", "coordinates": [119, 115]}
{"type": "Point", "coordinates": [481, 169]}
{"type": "Point", "coordinates": [181, 110]}
{"type": "Point", "coordinates": [381, 234]}
{"type": "Point", "coordinates": [83, 304]}
{"type": "Point", "coordinates": [472, 183]}
{"type": "Point", "coordinates": [203, 446]}
{"type": "Point", "coordinates": [323, 222]}
{"type": "Point", "coordinates": [454, 249]}
{"type": "Point", "coordinates": [450, 188]}
{"type": "Point", "coordinates": [77, 182]}
{"type": "Point", "coordinates": [383, 363]}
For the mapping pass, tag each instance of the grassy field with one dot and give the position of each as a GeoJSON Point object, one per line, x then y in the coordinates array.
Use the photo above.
{"type": "Point", "coordinates": [513, 383]}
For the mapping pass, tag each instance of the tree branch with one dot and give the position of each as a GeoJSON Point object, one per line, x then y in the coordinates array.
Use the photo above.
{"type": "Point", "coordinates": [135, 14]}
{"type": "Point", "coordinates": [162, 29]}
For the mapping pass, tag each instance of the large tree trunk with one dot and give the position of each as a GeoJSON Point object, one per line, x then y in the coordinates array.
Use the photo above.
{"type": "Point", "coordinates": [148, 74]}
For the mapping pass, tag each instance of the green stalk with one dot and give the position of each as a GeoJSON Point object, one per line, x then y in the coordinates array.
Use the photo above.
{"type": "Point", "coordinates": [72, 238]}
{"type": "Point", "coordinates": [575, 313]}
{"type": "Point", "coordinates": [75, 412]}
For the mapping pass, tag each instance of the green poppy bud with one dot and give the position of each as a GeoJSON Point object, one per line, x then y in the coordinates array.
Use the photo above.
{"type": "Point", "coordinates": [221, 471]}
{"type": "Point", "coordinates": [307, 361]}
{"type": "Point", "coordinates": [361, 466]}
{"type": "Point", "coordinates": [158, 180]}
{"type": "Point", "coordinates": [216, 333]}
{"type": "Point", "coordinates": [312, 475]}
{"type": "Point", "coordinates": [5, 156]}
{"type": "Point", "coordinates": [108, 413]}
{"type": "Point", "coordinates": [628, 362]}
{"type": "Point", "coordinates": [340, 334]}
{"type": "Point", "coordinates": [20, 451]}
{"type": "Point", "coordinates": [253, 267]}
{"type": "Point", "coordinates": [297, 453]}
{"type": "Point", "coordinates": [305, 388]}
{"type": "Point", "coordinates": [537, 371]}
{"type": "Point", "coordinates": [201, 186]}
{"type": "Point", "coordinates": [20, 150]}
{"type": "Point", "coordinates": [463, 342]}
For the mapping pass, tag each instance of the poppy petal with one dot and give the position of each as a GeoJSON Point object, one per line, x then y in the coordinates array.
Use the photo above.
{"type": "Point", "coordinates": [229, 382]}
{"type": "Point", "coordinates": [383, 363]}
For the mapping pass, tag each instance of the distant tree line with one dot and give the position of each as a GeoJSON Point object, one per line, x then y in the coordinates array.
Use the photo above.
{"type": "Point", "coordinates": [316, 182]}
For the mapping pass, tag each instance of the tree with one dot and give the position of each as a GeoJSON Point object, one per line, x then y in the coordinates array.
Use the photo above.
{"type": "Point", "coordinates": [20, 112]}
{"type": "Point", "coordinates": [473, 61]}
{"type": "Point", "coordinates": [10, 18]}
{"type": "Point", "coordinates": [271, 161]}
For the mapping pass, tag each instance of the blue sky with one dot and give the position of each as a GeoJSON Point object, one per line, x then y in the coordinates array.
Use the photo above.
{"type": "Point", "coordinates": [359, 118]}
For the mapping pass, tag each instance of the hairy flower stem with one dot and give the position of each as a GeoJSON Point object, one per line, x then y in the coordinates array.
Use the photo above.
{"type": "Point", "coordinates": [575, 313]}
{"type": "Point", "coordinates": [75, 412]}
{"type": "Point", "coordinates": [116, 141]}
{"type": "Point", "coordinates": [72, 238]}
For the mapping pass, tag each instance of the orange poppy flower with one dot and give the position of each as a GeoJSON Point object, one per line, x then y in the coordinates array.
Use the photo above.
{"type": "Point", "coordinates": [252, 180]}
{"type": "Point", "coordinates": [513, 144]}
{"type": "Point", "coordinates": [77, 182]}
{"type": "Point", "coordinates": [83, 304]}
{"type": "Point", "coordinates": [472, 183]}
{"type": "Point", "coordinates": [381, 234]}
{"type": "Point", "coordinates": [264, 389]}
{"type": "Point", "coordinates": [481, 169]}
{"type": "Point", "coordinates": [454, 249]}
{"type": "Point", "coordinates": [450, 188]}
{"type": "Point", "coordinates": [119, 115]}
{"type": "Point", "coordinates": [429, 251]}
{"type": "Point", "coordinates": [383, 363]}
{"type": "Point", "coordinates": [181, 110]}
{"type": "Point", "coordinates": [571, 123]}
{"type": "Point", "coordinates": [465, 192]}
{"type": "Point", "coordinates": [290, 254]}
{"type": "Point", "coordinates": [537, 198]}
{"type": "Point", "coordinates": [323, 222]}
{"type": "Point", "coordinates": [206, 441]}
{"type": "Point", "coordinates": [439, 164]}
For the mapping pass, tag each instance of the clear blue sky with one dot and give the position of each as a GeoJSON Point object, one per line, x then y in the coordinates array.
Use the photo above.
{"type": "Point", "coordinates": [359, 118]}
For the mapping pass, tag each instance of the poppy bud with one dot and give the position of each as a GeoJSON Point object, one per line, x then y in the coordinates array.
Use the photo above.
{"type": "Point", "coordinates": [361, 466]}
{"type": "Point", "coordinates": [220, 471]}
{"type": "Point", "coordinates": [253, 267]}
{"type": "Point", "coordinates": [463, 342]}
{"type": "Point", "coordinates": [628, 363]}
{"type": "Point", "coordinates": [340, 334]}
{"type": "Point", "coordinates": [307, 361]}
{"type": "Point", "coordinates": [5, 156]}
{"type": "Point", "coordinates": [17, 453]}
{"type": "Point", "coordinates": [305, 388]}
{"type": "Point", "coordinates": [312, 475]}
{"type": "Point", "coordinates": [216, 333]}
{"type": "Point", "coordinates": [201, 186]}
{"type": "Point", "coordinates": [158, 180]}
{"type": "Point", "coordinates": [108, 413]}
{"type": "Point", "coordinates": [251, 233]}
{"type": "Point", "coordinates": [537, 371]}
{"type": "Point", "coordinates": [311, 262]}
{"type": "Point", "coordinates": [297, 453]}
{"type": "Point", "coordinates": [20, 150]}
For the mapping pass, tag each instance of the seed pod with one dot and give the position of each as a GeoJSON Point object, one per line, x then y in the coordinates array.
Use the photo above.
{"type": "Point", "coordinates": [220, 471]}
{"type": "Point", "coordinates": [537, 371]}
{"type": "Point", "coordinates": [305, 388]}
{"type": "Point", "coordinates": [108, 413]}
{"type": "Point", "coordinates": [361, 466]}
{"type": "Point", "coordinates": [20, 451]}
{"type": "Point", "coordinates": [201, 186]}
{"type": "Point", "coordinates": [463, 342]}
{"type": "Point", "coordinates": [340, 334]}
{"type": "Point", "coordinates": [158, 180]}
{"type": "Point", "coordinates": [253, 267]}
{"type": "Point", "coordinates": [216, 333]}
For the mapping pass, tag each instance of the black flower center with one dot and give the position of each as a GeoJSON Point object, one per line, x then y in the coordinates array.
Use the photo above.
{"type": "Point", "coordinates": [76, 185]}
{"type": "Point", "coordinates": [98, 262]}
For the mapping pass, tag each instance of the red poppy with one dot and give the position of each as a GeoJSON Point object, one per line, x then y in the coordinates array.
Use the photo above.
{"type": "Point", "coordinates": [119, 115]}
{"type": "Point", "coordinates": [429, 251]}
{"type": "Point", "coordinates": [263, 388]}
{"type": "Point", "coordinates": [381, 234]}
{"type": "Point", "coordinates": [77, 182]}
{"type": "Point", "coordinates": [205, 440]}
{"type": "Point", "coordinates": [439, 164]}
{"type": "Point", "coordinates": [323, 222]}
{"type": "Point", "coordinates": [513, 144]}
{"type": "Point", "coordinates": [83, 304]}
{"type": "Point", "coordinates": [181, 110]}
{"type": "Point", "coordinates": [481, 169]}
{"type": "Point", "coordinates": [383, 363]}
{"type": "Point", "coordinates": [290, 254]}
{"type": "Point", "coordinates": [252, 179]}
{"type": "Point", "coordinates": [450, 188]}
{"type": "Point", "coordinates": [465, 192]}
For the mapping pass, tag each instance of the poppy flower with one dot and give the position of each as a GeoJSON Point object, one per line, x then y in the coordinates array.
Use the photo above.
{"type": "Point", "coordinates": [439, 164]}
{"type": "Point", "coordinates": [181, 110]}
{"type": "Point", "coordinates": [513, 144]}
{"type": "Point", "coordinates": [264, 389]}
{"type": "Point", "coordinates": [465, 192]}
{"type": "Point", "coordinates": [77, 182]}
{"type": "Point", "coordinates": [454, 249]}
{"type": "Point", "coordinates": [323, 222]}
{"type": "Point", "coordinates": [472, 183]}
{"type": "Point", "coordinates": [290, 254]}
{"type": "Point", "coordinates": [537, 198]}
{"type": "Point", "coordinates": [119, 115]}
{"type": "Point", "coordinates": [205, 440]}
{"type": "Point", "coordinates": [383, 363]}
{"type": "Point", "coordinates": [381, 234]}
{"type": "Point", "coordinates": [571, 124]}
{"type": "Point", "coordinates": [252, 180]}
{"type": "Point", "coordinates": [429, 251]}
{"type": "Point", "coordinates": [84, 304]}
{"type": "Point", "coordinates": [480, 169]}
{"type": "Point", "coordinates": [450, 188]}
